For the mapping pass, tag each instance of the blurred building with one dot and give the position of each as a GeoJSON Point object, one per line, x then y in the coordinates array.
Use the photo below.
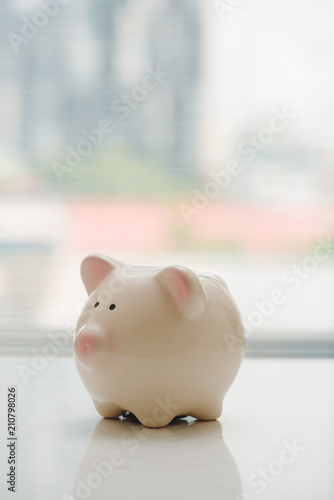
{"type": "Point", "coordinates": [66, 77]}
{"type": "Point", "coordinates": [225, 77]}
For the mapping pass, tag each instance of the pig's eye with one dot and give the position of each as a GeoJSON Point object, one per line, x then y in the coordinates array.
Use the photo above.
{"type": "Point", "coordinates": [96, 304]}
{"type": "Point", "coordinates": [112, 307]}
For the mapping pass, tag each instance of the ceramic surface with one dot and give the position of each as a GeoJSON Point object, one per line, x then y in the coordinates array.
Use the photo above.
{"type": "Point", "coordinates": [158, 343]}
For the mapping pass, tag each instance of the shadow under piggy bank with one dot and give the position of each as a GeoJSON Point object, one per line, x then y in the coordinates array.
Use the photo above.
{"type": "Point", "coordinates": [186, 460]}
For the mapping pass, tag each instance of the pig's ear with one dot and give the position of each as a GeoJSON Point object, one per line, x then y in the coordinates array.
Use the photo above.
{"type": "Point", "coordinates": [185, 289]}
{"type": "Point", "coordinates": [95, 268]}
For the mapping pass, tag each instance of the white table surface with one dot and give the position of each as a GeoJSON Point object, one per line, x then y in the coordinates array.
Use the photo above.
{"type": "Point", "coordinates": [273, 405]}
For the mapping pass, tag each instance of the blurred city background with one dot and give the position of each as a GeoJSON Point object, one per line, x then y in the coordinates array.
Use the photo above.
{"type": "Point", "coordinates": [189, 132]}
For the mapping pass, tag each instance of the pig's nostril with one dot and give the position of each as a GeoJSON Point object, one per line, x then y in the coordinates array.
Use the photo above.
{"type": "Point", "coordinates": [84, 346]}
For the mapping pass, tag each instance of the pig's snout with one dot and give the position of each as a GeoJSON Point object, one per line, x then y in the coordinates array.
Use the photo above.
{"type": "Point", "coordinates": [87, 343]}
{"type": "Point", "coordinates": [84, 344]}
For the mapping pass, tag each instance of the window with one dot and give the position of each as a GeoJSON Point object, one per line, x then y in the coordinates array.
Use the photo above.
{"type": "Point", "coordinates": [169, 132]}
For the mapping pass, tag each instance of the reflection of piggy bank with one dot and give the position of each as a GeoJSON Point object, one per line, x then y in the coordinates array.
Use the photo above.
{"type": "Point", "coordinates": [158, 343]}
{"type": "Point", "coordinates": [182, 461]}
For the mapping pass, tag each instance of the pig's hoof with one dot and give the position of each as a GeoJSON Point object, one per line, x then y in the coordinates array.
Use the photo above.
{"type": "Point", "coordinates": [108, 410]}
{"type": "Point", "coordinates": [153, 422]}
{"type": "Point", "coordinates": [207, 413]}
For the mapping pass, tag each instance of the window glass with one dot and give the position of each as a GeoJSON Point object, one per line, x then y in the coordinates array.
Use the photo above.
{"type": "Point", "coordinates": [191, 132]}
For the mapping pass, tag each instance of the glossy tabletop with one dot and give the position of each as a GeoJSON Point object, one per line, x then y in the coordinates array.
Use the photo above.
{"type": "Point", "coordinates": [274, 440]}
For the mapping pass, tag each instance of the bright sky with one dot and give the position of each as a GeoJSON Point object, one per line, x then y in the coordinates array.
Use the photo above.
{"type": "Point", "coordinates": [267, 53]}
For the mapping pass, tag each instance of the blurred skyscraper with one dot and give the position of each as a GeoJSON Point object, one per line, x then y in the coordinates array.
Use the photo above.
{"type": "Point", "coordinates": [65, 78]}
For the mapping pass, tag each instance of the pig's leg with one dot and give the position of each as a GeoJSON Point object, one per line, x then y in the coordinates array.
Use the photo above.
{"type": "Point", "coordinates": [149, 419]}
{"type": "Point", "coordinates": [108, 410]}
{"type": "Point", "coordinates": [208, 412]}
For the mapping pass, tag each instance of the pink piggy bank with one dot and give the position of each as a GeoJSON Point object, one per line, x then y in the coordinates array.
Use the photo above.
{"type": "Point", "coordinates": [156, 342]}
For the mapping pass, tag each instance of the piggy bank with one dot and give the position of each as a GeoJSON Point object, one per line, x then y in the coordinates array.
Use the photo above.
{"type": "Point", "coordinates": [156, 342]}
